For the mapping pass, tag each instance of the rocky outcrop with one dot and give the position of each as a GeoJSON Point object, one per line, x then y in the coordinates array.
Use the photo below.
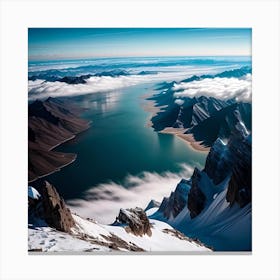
{"type": "Point", "coordinates": [75, 80]}
{"type": "Point", "coordinates": [228, 165]}
{"type": "Point", "coordinates": [113, 73]}
{"type": "Point", "coordinates": [196, 198]}
{"type": "Point", "coordinates": [218, 163]}
{"type": "Point", "coordinates": [240, 184]}
{"type": "Point", "coordinates": [55, 212]}
{"type": "Point", "coordinates": [136, 220]}
{"type": "Point", "coordinates": [153, 203]}
{"type": "Point", "coordinates": [177, 200]}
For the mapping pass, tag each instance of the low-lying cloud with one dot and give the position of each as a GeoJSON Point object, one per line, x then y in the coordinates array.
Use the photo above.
{"type": "Point", "coordinates": [40, 89]}
{"type": "Point", "coordinates": [220, 88]}
{"type": "Point", "coordinates": [104, 201]}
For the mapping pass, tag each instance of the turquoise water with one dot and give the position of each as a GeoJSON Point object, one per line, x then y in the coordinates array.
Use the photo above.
{"type": "Point", "coordinates": [119, 143]}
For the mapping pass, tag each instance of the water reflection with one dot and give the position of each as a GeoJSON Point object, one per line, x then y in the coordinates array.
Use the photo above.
{"type": "Point", "coordinates": [101, 102]}
{"type": "Point", "coordinates": [165, 141]}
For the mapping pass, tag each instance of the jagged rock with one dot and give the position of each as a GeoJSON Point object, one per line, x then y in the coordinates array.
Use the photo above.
{"type": "Point", "coordinates": [235, 159]}
{"type": "Point", "coordinates": [113, 73]}
{"type": "Point", "coordinates": [153, 203]}
{"type": "Point", "coordinates": [240, 184]}
{"type": "Point", "coordinates": [56, 214]}
{"type": "Point", "coordinates": [218, 163]}
{"type": "Point", "coordinates": [196, 198]}
{"type": "Point", "coordinates": [136, 219]}
{"type": "Point", "coordinates": [177, 200]}
{"type": "Point", "coordinates": [225, 160]}
{"type": "Point", "coordinates": [163, 204]}
{"type": "Point", "coordinates": [75, 80]}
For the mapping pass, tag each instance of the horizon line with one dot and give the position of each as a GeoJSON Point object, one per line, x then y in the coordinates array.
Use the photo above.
{"type": "Point", "coordinates": [116, 57]}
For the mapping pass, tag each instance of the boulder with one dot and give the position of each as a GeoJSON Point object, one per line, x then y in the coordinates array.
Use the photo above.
{"type": "Point", "coordinates": [55, 212]}
{"type": "Point", "coordinates": [136, 220]}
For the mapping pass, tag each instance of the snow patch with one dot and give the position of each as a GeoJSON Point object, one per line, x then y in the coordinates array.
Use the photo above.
{"type": "Point", "coordinates": [33, 193]}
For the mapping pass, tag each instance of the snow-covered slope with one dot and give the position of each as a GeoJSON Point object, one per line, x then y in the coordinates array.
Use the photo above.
{"type": "Point", "coordinates": [90, 236]}
{"type": "Point", "coordinates": [219, 225]}
{"type": "Point", "coordinates": [217, 207]}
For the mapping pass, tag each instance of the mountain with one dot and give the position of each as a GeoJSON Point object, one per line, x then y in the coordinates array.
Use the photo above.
{"type": "Point", "coordinates": [50, 123]}
{"type": "Point", "coordinates": [215, 204]}
{"type": "Point", "coordinates": [147, 72]}
{"type": "Point", "coordinates": [59, 76]}
{"type": "Point", "coordinates": [112, 73]}
{"type": "Point", "coordinates": [75, 80]}
{"type": "Point", "coordinates": [206, 118]}
{"type": "Point", "coordinates": [53, 228]}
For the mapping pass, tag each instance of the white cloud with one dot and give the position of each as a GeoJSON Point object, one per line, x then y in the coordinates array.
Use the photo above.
{"type": "Point", "coordinates": [94, 84]}
{"type": "Point", "coordinates": [40, 89]}
{"type": "Point", "coordinates": [221, 88]}
{"type": "Point", "coordinates": [104, 201]}
{"type": "Point", "coordinates": [179, 102]}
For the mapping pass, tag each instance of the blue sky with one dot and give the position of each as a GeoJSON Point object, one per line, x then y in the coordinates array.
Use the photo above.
{"type": "Point", "coordinates": [79, 43]}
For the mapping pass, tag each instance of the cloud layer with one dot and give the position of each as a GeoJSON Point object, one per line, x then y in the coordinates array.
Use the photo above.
{"type": "Point", "coordinates": [104, 201]}
{"type": "Point", "coordinates": [40, 89]}
{"type": "Point", "coordinates": [221, 88]}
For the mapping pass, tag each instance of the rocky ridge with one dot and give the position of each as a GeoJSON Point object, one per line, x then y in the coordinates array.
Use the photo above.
{"type": "Point", "coordinates": [50, 123]}
{"type": "Point", "coordinates": [52, 227]}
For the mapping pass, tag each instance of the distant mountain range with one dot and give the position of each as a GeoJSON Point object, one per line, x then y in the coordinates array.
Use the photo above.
{"type": "Point", "coordinates": [206, 118]}
{"type": "Point", "coordinates": [59, 76]}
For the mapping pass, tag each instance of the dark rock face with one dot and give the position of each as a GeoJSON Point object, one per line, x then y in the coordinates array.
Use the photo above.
{"type": "Point", "coordinates": [209, 128]}
{"type": "Point", "coordinates": [75, 80]}
{"type": "Point", "coordinates": [163, 204]}
{"type": "Point", "coordinates": [113, 73]}
{"type": "Point", "coordinates": [196, 198]}
{"type": "Point", "coordinates": [72, 80]}
{"type": "Point", "coordinates": [177, 200]}
{"type": "Point", "coordinates": [218, 163]}
{"type": "Point", "coordinates": [240, 184]}
{"type": "Point", "coordinates": [56, 214]}
{"type": "Point", "coordinates": [137, 221]}
{"type": "Point", "coordinates": [231, 161]}
{"type": "Point", "coordinates": [153, 203]}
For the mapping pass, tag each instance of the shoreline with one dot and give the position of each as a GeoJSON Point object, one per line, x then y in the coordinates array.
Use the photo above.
{"type": "Point", "coordinates": [187, 138]}
{"type": "Point", "coordinates": [60, 143]}
{"type": "Point", "coordinates": [54, 171]}
{"type": "Point", "coordinates": [149, 106]}
{"type": "Point", "coordinates": [70, 138]}
{"type": "Point", "coordinates": [57, 145]}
